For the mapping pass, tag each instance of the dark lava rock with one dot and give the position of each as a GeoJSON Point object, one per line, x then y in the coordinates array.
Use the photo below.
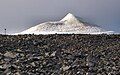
{"type": "Point", "coordinates": [60, 54]}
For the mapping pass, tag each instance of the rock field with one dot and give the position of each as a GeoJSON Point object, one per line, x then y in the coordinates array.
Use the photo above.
{"type": "Point", "coordinates": [60, 54]}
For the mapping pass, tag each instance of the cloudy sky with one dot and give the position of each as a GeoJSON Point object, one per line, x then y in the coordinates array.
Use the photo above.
{"type": "Point", "coordinates": [18, 15]}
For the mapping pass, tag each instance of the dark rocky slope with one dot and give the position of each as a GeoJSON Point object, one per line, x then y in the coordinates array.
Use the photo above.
{"type": "Point", "coordinates": [60, 55]}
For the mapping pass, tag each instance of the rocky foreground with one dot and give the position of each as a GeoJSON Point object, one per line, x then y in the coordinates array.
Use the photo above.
{"type": "Point", "coordinates": [60, 55]}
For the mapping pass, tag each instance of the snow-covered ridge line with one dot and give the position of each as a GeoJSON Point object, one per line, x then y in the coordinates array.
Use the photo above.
{"type": "Point", "coordinates": [68, 25]}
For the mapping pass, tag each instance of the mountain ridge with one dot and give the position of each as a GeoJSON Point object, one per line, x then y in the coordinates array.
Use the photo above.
{"type": "Point", "coordinates": [70, 24]}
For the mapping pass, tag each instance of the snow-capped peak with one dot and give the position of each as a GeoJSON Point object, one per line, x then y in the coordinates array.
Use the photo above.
{"type": "Point", "coordinates": [68, 16]}
{"type": "Point", "coordinates": [70, 19]}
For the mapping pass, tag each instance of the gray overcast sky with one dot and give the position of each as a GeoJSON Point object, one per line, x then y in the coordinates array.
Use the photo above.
{"type": "Point", "coordinates": [18, 15]}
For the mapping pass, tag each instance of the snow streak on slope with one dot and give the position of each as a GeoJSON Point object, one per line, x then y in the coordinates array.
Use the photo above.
{"type": "Point", "coordinates": [68, 25]}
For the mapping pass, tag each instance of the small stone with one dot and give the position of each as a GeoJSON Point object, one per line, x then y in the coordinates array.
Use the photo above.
{"type": "Point", "coordinates": [1, 54]}
{"type": "Point", "coordinates": [98, 74]}
{"type": "Point", "coordinates": [53, 54]}
{"type": "Point", "coordinates": [17, 73]}
{"type": "Point", "coordinates": [78, 72]}
{"type": "Point", "coordinates": [87, 73]}
{"type": "Point", "coordinates": [13, 67]}
{"type": "Point", "coordinates": [22, 55]}
{"type": "Point", "coordinates": [10, 54]}
{"type": "Point", "coordinates": [4, 66]}
{"type": "Point", "coordinates": [17, 61]}
{"type": "Point", "coordinates": [46, 54]}
{"type": "Point", "coordinates": [65, 68]}
{"type": "Point", "coordinates": [19, 50]}
{"type": "Point", "coordinates": [2, 62]}
{"type": "Point", "coordinates": [33, 64]}
{"type": "Point", "coordinates": [90, 64]}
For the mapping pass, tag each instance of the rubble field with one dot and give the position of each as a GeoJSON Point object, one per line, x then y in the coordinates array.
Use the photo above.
{"type": "Point", "coordinates": [60, 54]}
